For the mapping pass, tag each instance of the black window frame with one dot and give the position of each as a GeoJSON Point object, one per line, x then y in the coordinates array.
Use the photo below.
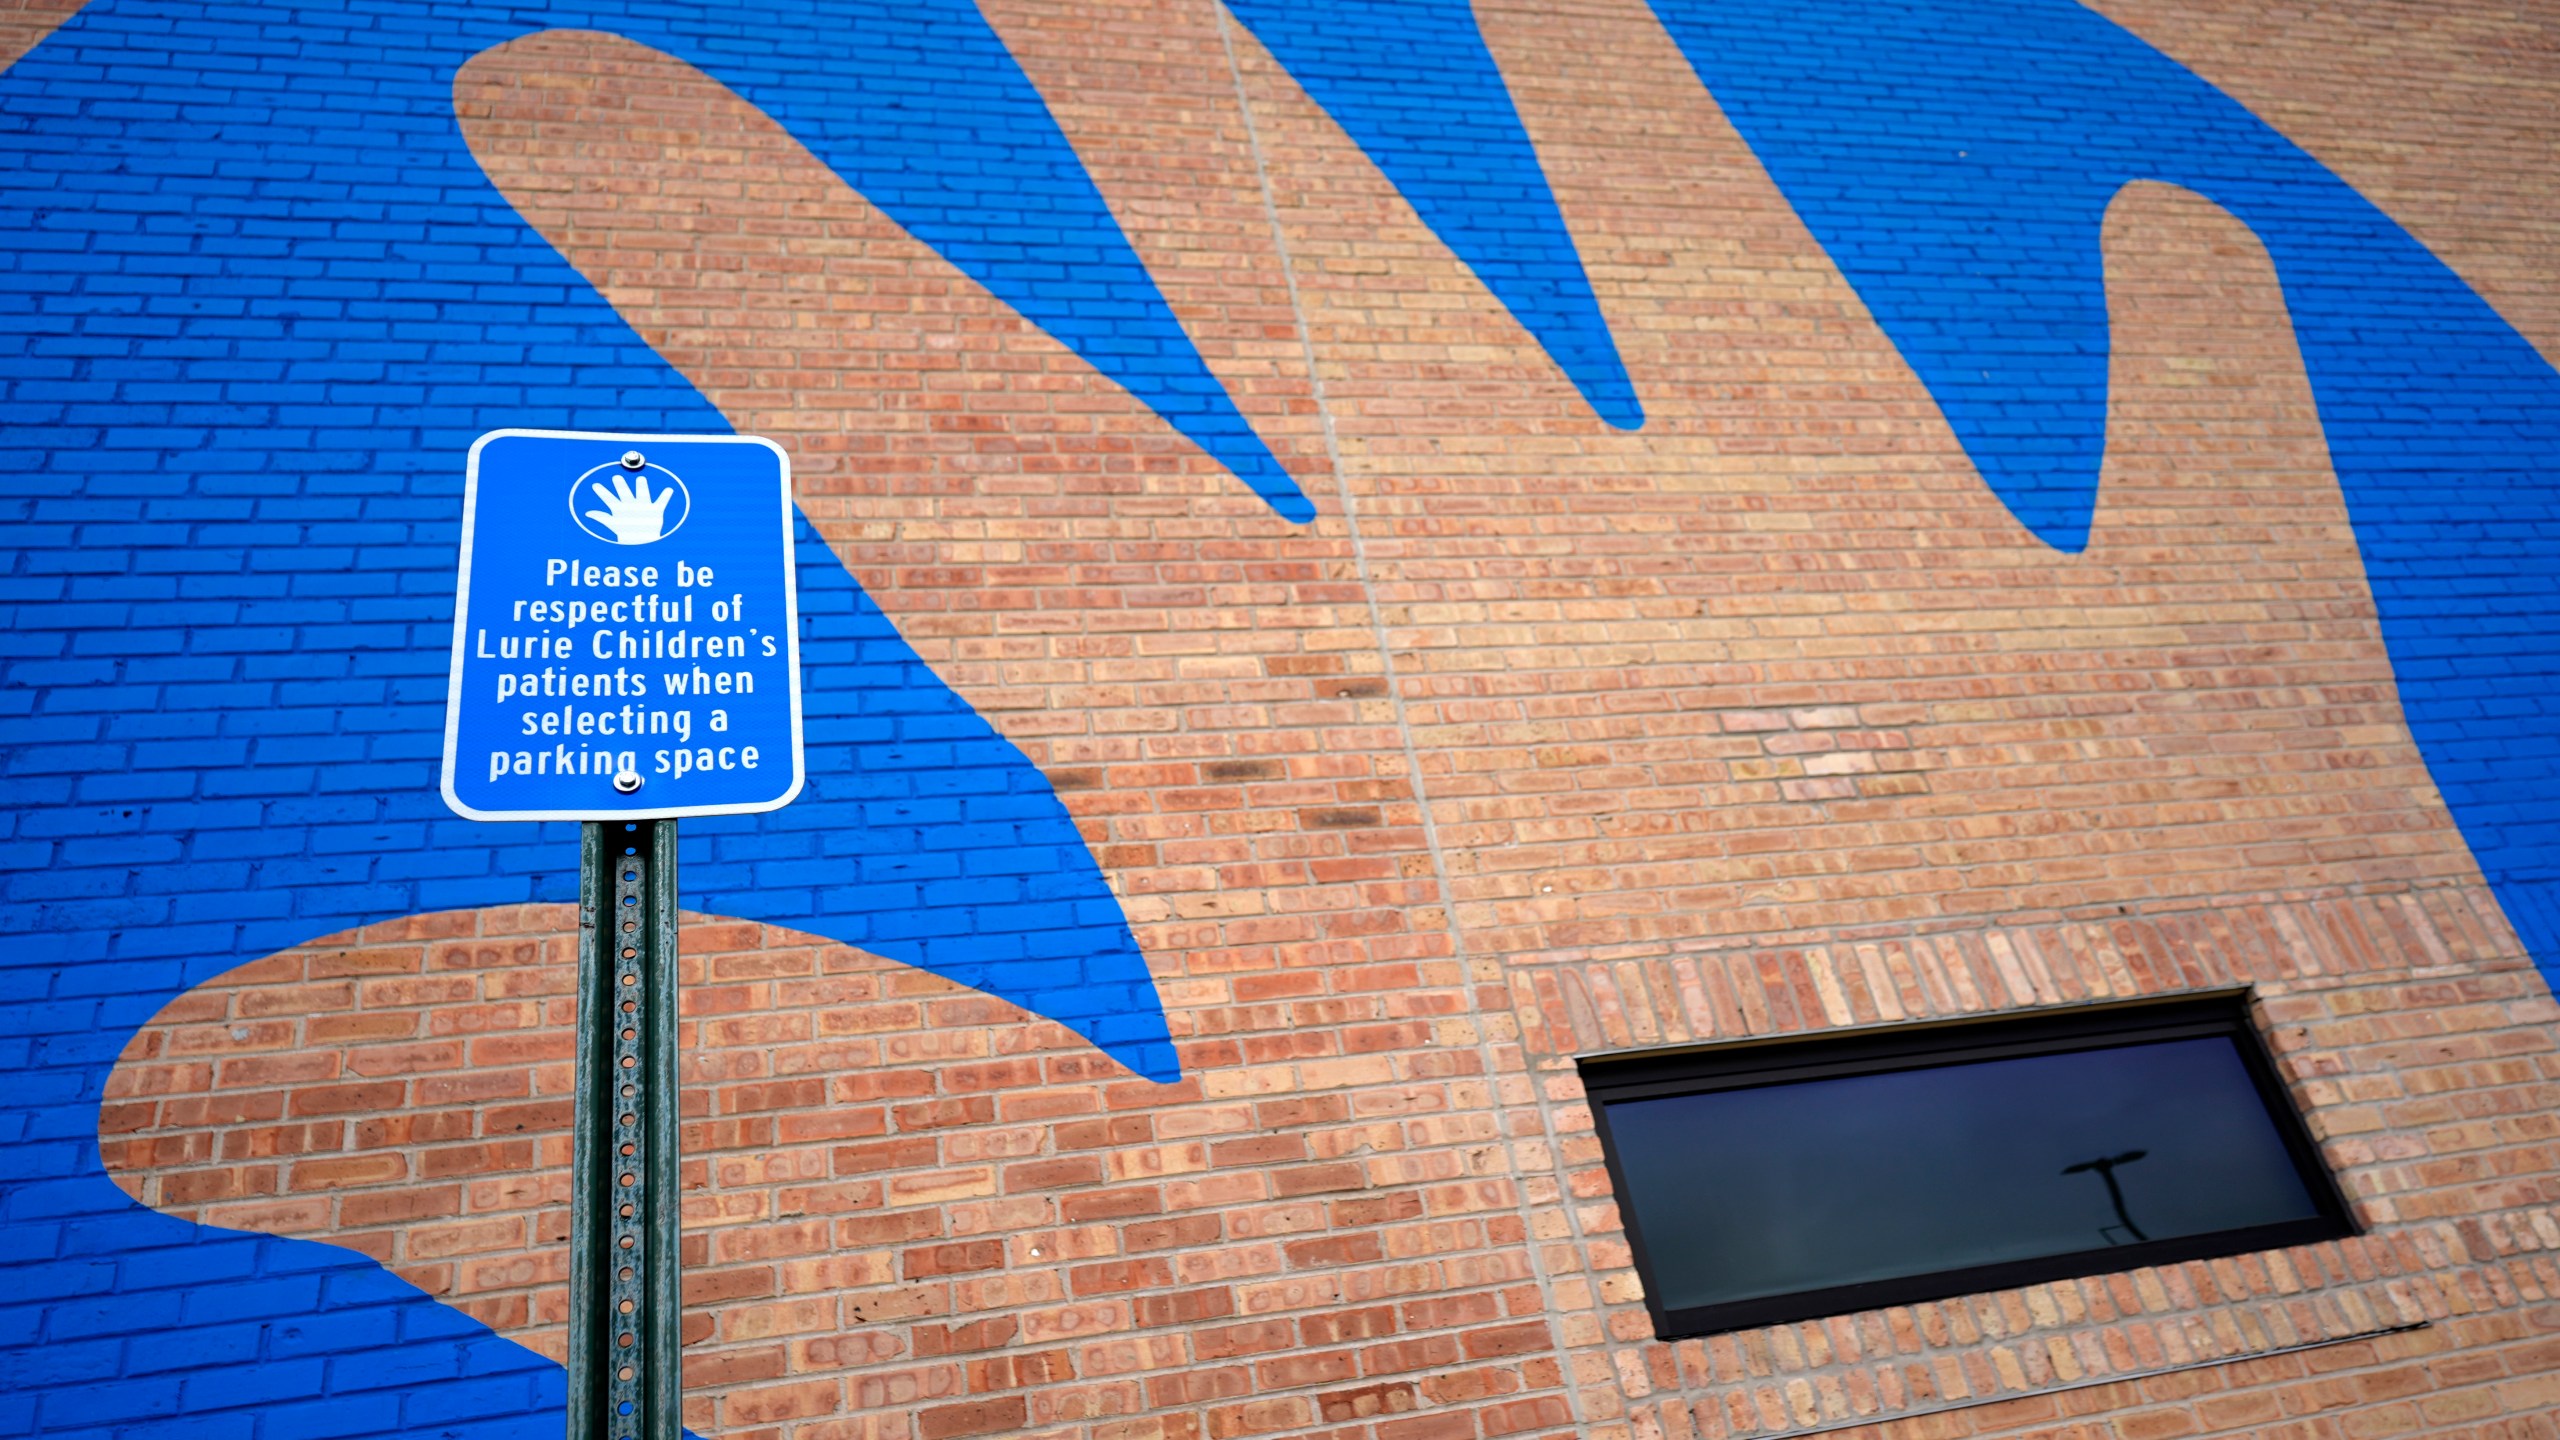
{"type": "Point", "coordinates": [1866, 1050]}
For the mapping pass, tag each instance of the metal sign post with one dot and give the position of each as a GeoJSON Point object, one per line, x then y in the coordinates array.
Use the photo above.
{"type": "Point", "coordinates": [625, 1300]}
{"type": "Point", "coordinates": [622, 659]}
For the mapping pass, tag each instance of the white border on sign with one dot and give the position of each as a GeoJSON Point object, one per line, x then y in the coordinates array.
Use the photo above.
{"type": "Point", "coordinates": [462, 616]}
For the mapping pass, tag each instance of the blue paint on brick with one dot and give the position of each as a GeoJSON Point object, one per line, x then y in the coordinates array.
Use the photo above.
{"type": "Point", "coordinates": [1957, 157]}
{"type": "Point", "coordinates": [265, 310]}
{"type": "Point", "coordinates": [1412, 82]}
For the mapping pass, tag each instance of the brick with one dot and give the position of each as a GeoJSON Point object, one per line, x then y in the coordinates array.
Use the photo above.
{"type": "Point", "coordinates": [977, 1417]}
{"type": "Point", "coordinates": [952, 1259]}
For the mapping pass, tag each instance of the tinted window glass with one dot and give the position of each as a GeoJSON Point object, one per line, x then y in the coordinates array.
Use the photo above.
{"type": "Point", "coordinates": [1832, 1182]}
{"type": "Point", "coordinates": [1848, 1184]}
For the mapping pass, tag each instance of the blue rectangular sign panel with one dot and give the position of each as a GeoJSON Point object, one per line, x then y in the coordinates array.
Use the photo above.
{"type": "Point", "coordinates": [626, 643]}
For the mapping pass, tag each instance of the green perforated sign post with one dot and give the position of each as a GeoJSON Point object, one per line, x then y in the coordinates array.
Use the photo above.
{"type": "Point", "coordinates": [626, 1300]}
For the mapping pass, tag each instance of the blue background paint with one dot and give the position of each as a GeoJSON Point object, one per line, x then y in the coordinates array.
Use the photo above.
{"type": "Point", "coordinates": [259, 298]}
{"type": "Point", "coordinates": [1412, 82]}
{"type": "Point", "coordinates": [1956, 159]}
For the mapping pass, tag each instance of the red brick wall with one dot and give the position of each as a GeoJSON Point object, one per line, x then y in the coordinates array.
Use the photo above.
{"type": "Point", "coordinates": [1547, 738]}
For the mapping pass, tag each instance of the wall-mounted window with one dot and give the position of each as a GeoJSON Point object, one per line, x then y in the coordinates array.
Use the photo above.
{"type": "Point", "coordinates": [1787, 1179]}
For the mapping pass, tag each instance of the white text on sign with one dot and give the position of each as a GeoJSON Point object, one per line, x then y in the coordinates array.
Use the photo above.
{"type": "Point", "coordinates": [646, 623]}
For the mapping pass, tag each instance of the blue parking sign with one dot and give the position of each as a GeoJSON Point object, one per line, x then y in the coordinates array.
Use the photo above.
{"type": "Point", "coordinates": [626, 640]}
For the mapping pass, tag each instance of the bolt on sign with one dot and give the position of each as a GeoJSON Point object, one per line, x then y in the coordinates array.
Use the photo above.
{"type": "Point", "coordinates": [626, 637]}
{"type": "Point", "coordinates": [625, 652]}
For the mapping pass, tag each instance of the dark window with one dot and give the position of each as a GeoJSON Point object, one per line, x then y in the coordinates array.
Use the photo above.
{"type": "Point", "coordinates": [1786, 1179]}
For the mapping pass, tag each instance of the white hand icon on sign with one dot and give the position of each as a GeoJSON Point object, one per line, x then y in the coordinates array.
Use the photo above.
{"type": "Point", "coordinates": [633, 515]}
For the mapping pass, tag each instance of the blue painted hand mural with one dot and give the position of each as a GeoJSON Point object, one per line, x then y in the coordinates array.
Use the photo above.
{"type": "Point", "coordinates": [261, 298]}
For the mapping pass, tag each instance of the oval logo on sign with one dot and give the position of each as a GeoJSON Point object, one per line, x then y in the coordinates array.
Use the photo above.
{"type": "Point", "coordinates": [623, 504]}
